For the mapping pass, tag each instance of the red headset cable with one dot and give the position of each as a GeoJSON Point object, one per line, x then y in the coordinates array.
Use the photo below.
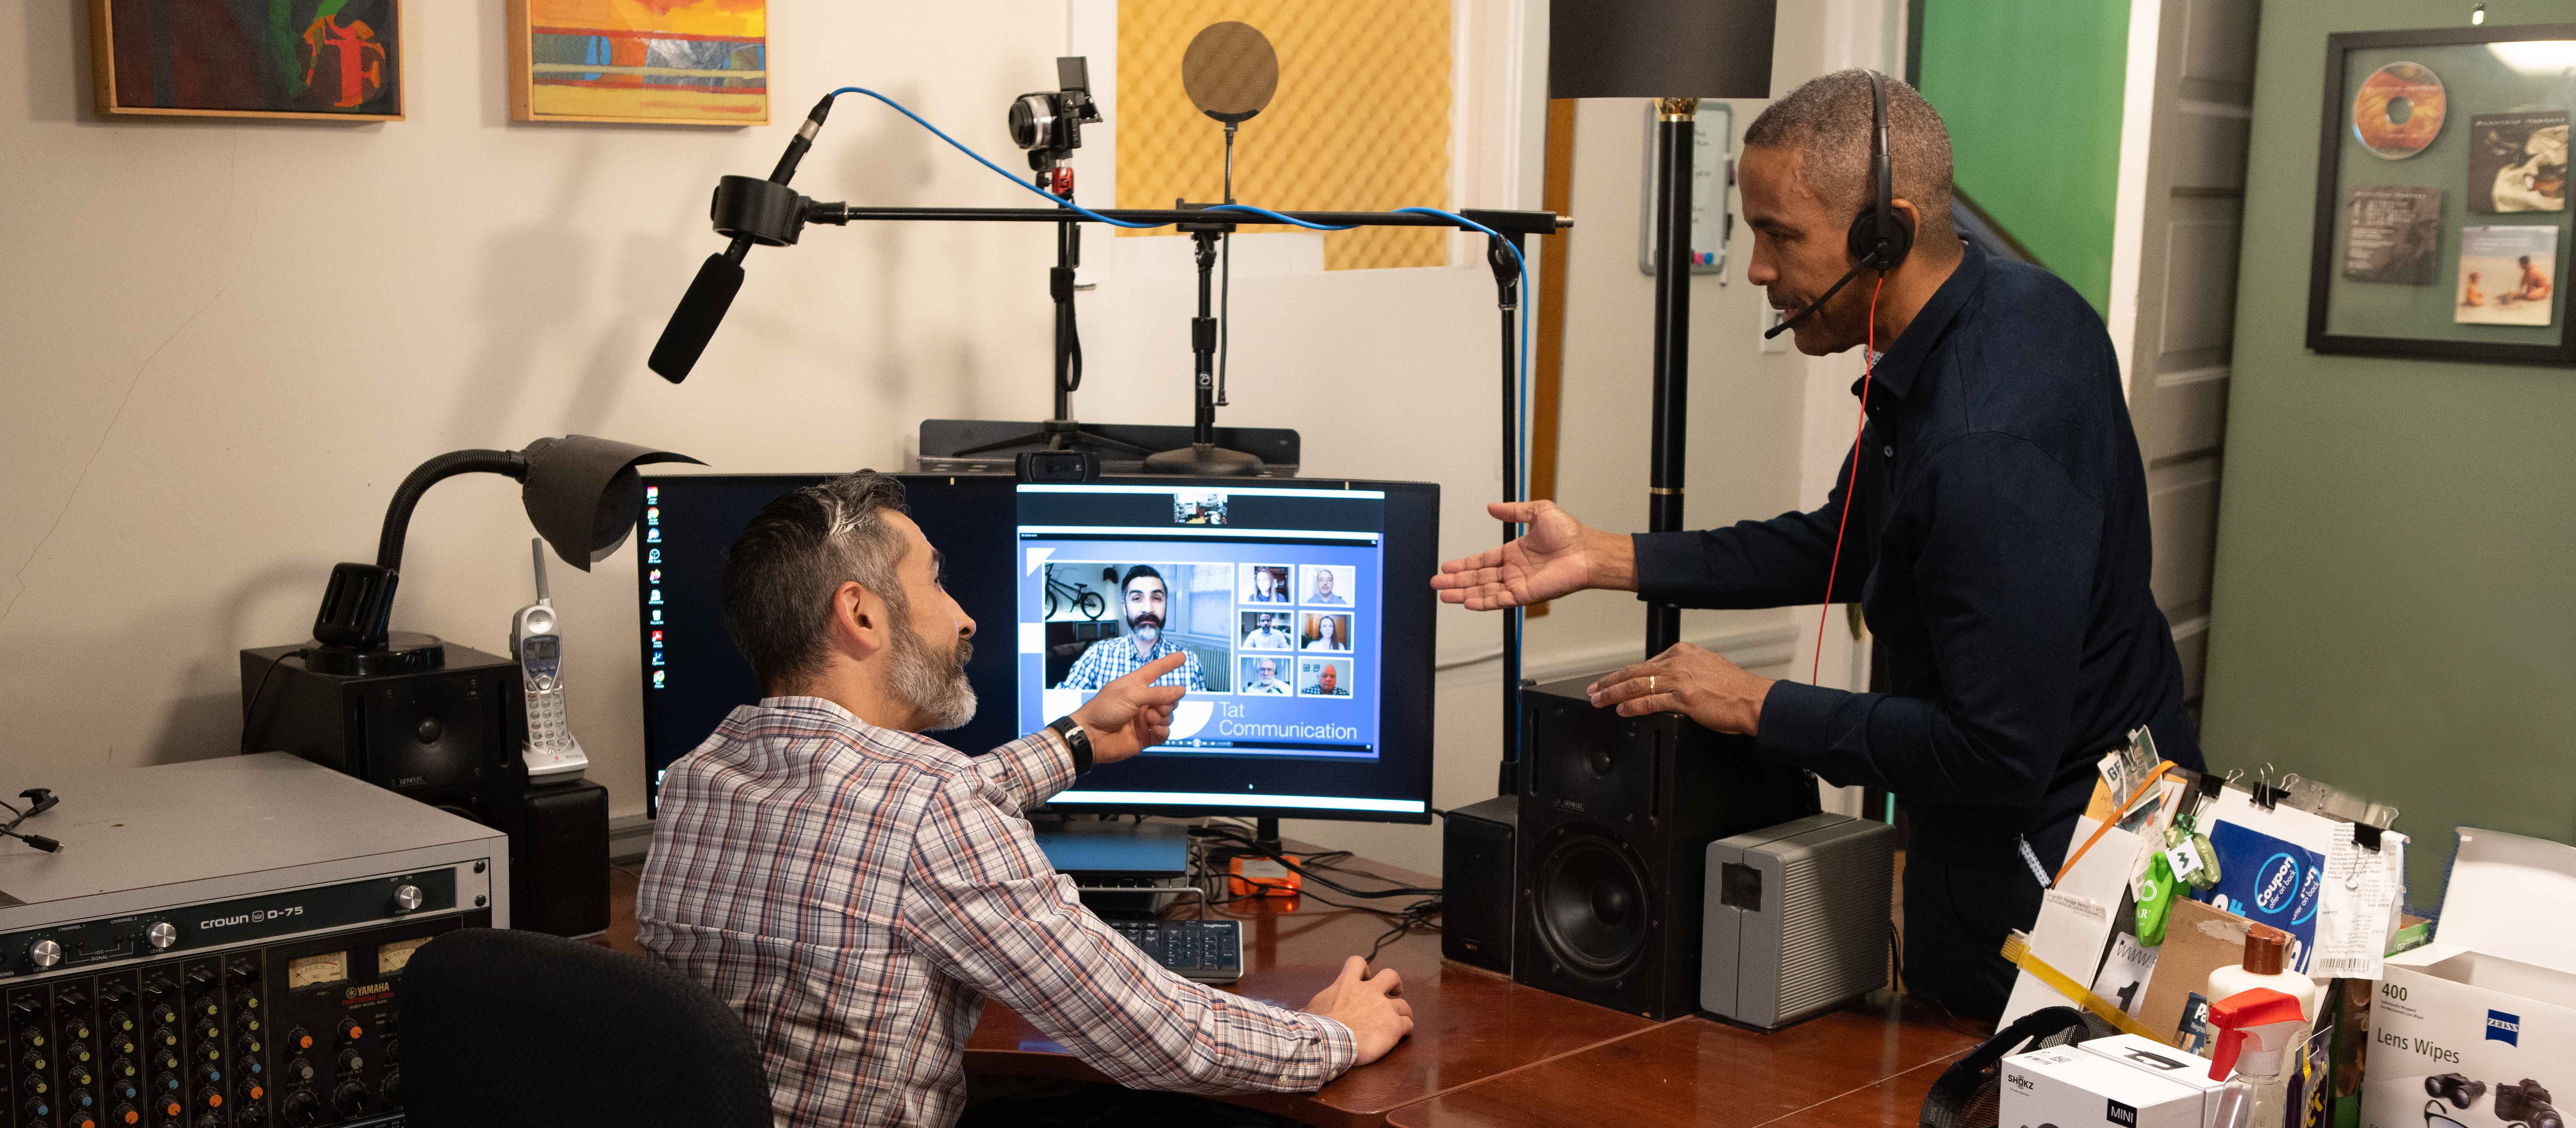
{"type": "Point", "coordinates": [1869, 364]}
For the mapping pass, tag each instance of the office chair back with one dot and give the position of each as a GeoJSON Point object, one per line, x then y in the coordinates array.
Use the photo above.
{"type": "Point", "coordinates": [504, 1029]}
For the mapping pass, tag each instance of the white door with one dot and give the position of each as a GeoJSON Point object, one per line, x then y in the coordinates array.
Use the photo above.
{"type": "Point", "coordinates": [2188, 104]}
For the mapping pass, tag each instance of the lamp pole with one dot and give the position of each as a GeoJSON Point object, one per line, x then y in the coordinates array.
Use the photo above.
{"type": "Point", "coordinates": [1674, 141]}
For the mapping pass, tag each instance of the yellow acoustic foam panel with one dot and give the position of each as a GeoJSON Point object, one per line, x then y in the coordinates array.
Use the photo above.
{"type": "Point", "coordinates": [1360, 123]}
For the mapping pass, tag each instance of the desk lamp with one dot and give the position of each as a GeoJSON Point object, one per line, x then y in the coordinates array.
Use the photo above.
{"type": "Point", "coordinates": [1675, 52]}
{"type": "Point", "coordinates": [581, 494]}
{"type": "Point", "coordinates": [441, 723]}
{"type": "Point", "coordinates": [409, 711]}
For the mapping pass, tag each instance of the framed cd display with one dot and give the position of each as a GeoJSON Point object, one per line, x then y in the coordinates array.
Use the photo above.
{"type": "Point", "coordinates": [2442, 223]}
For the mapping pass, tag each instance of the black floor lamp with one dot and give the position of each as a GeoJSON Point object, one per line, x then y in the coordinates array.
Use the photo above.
{"type": "Point", "coordinates": [1676, 52]}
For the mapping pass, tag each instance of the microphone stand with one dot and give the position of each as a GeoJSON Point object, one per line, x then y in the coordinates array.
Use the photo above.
{"type": "Point", "coordinates": [1673, 144]}
{"type": "Point", "coordinates": [1507, 296]}
{"type": "Point", "coordinates": [1061, 431]}
{"type": "Point", "coordinates": [1203, 458]}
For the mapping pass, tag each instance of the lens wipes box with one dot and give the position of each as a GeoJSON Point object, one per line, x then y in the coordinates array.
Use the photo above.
{"type": "Point", "coordinates": [2068, 1087]}
{"type": "Point", "coordinates": [2478, 1028]}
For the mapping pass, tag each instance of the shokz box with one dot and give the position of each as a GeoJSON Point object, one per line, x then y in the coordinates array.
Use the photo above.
{"type": "Point", "coordinates": [2479, 1027]}
{"type": "Point", "coordinates": [2186, 1069]}
{"type": "Point", "coordinates": [2070, 1087]}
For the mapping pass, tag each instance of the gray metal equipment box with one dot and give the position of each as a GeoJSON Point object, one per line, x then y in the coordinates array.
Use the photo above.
{"type": "Point", "coordinates": [152, 845]}
{"type": "Point", "coordinates": [1797, 919]}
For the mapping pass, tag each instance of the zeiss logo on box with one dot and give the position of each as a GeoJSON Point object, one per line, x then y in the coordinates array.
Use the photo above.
{"type": "Point", "coordinates": [2505, 1028]}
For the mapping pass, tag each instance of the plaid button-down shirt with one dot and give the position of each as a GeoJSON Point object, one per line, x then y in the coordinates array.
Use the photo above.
{"type": "Point", "coordinates": [1113, 658]}
{"type": "Point", "coordinates": [856, 893]}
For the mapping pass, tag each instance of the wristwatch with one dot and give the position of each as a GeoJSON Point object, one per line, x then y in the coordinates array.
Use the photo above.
{"type": "Point", "coordinates": [1076, 741]}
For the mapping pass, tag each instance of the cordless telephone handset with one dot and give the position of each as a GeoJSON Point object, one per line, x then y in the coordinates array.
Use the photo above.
{"type": "Point", "coordinates": [536, 640]}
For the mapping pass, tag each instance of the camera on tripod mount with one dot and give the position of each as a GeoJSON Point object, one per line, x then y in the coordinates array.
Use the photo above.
{"type": "Point", "coordinates": [1049, 123]}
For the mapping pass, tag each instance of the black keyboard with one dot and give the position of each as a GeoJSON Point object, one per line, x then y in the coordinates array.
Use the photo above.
{"type": "Point", "coordinates": [1210, 951]}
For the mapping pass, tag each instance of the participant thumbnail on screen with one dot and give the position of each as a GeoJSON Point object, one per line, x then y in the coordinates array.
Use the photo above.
{"type": "Point", "coordinates": [1152, 609]}
{"type": "Point", "coordinates": [1323, 631]}
{"type": "Point", "coordinates": [1206, 507]}
{"type": "Point", "coordinates": [1323, 677]}
{"type": "Point", "coordinates": [1268, 630]}
{"type": "Point", "coordinates": [1266, 583]}
{"type": "Point", "coordinates": [1326, 585]}
{"type": "Point", "coordinates": [1265, 676]}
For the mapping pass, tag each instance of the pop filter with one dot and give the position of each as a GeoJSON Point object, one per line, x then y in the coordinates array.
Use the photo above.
{"type": "Point", "coordinates": [1230, 71]}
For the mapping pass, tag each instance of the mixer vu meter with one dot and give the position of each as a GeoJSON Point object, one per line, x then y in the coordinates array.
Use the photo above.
{"type": "Point", "coordinates": [220, 944]}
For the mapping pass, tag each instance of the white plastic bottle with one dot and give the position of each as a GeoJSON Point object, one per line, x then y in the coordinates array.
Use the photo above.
{"type": "Point", "coordinates": [2266, 949]}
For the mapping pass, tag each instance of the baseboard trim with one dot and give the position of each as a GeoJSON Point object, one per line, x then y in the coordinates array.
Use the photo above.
{"type": "Point", "coordinates": [629, 837]}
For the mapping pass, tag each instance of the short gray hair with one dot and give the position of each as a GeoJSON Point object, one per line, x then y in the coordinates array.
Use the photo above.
{"type": "Point", "coordinates": [779, 576]}
{"type": "Point", "coordinates": [1826, 121]}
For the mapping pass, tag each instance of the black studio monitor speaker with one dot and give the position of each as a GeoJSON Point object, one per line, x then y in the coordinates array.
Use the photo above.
{"type": "Point", "coordinates": [443, 726]}
{"type": "Point", "coordinates": [443, 731]}
{"type": "Point", "coordinates": [1476, 865]}
{"type": "Point", "coordinates": [1616, 814]}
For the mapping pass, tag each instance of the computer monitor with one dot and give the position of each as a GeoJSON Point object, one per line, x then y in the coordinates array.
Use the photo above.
{"type": "Point", "coordinates": [1301, 607]}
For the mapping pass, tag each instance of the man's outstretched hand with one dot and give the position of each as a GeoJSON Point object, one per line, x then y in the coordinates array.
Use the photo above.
{"type": "Point", "coordinates": [1556, 556]}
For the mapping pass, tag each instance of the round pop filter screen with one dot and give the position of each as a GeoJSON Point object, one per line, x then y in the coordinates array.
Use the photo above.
{"type": "Point", "coordinates": [1230, 71]}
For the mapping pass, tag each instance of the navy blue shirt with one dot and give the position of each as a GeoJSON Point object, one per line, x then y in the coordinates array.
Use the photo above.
{"type": "Point", "coordinates": [1998, 545]}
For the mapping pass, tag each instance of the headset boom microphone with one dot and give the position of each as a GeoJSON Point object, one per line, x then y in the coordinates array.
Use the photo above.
{"type": "Point", "coordinates": [703, 308]}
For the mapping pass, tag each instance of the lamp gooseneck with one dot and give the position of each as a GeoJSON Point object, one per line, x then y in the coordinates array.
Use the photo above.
{"type": "Point", "coordinates": [389, 544]}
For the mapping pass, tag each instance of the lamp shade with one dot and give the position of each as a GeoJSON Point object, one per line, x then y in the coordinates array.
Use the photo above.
{"type": "Point", "coordinates": [582, 493]}
{"type": "Point", "coordinates": [1660, 48]}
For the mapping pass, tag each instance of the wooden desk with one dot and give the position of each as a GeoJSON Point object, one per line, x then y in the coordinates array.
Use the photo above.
{"type": "Point", "coordinates": [1487, 1052]}
{"type": "Point", "coordinates": [1468, 1025]}
{"type": "Point", "coordinates": [1859, 1062]}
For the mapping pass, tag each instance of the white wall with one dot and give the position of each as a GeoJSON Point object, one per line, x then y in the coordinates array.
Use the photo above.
{"type": "Point", "coordinates": [226, 341]}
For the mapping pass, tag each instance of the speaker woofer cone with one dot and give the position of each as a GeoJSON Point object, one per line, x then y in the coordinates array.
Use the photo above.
{"type": "Point", "coordinates": [1590, 904]}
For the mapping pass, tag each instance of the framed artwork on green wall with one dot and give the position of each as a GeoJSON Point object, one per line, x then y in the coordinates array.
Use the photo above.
{"type": "Point", "coordinates": [2441, 215]}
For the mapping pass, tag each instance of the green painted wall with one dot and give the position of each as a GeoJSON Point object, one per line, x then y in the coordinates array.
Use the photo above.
{"type": "Point", "coordinates": [2031, 92]}
{"type": "Point", "coordinates": [2395, 603]}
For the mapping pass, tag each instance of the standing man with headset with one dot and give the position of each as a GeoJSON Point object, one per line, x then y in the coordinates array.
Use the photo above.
{"type": "Point", "coordinates": [1991, 521]}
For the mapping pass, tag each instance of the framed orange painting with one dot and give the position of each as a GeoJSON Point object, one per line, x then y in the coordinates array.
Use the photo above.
{"type": "Point", "coordinates": [681, 62]}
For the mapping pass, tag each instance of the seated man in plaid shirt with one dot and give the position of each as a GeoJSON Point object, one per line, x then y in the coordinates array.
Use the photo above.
{"type": "Point", "coordinates": [857, 890]}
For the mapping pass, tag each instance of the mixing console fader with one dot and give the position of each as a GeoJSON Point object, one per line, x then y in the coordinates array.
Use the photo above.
{"type": "Point", "coordinates": [253, 983]}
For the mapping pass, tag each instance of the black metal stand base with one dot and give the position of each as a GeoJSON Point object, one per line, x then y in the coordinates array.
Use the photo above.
{"type": "Point", "coordinates": [1057, 434]}
{"type": "Point", "coordinates": [1204, 461]}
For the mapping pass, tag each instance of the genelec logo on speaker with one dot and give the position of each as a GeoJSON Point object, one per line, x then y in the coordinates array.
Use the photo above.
{"type": "Point", "coordinates": [261, 917]}
{"type": "Point", "coordinates": [2505, 1028]}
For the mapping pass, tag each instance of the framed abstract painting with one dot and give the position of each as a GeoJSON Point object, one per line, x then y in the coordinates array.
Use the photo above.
{"type": "Point", "coordinates": [336, 60]}
{"type": "Point", "coordinates": [679, 62]}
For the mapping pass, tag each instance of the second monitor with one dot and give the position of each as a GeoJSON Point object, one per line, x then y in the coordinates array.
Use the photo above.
{"type": "Point", "coordinates": [1299, 609]}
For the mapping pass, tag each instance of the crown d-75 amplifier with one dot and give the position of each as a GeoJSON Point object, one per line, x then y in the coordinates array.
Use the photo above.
{"type": "Point", "coordinates": [217, 945]}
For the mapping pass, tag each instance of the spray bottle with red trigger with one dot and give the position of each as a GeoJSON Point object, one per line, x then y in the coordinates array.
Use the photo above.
{"type": "Point", "coordinates": [2254, 1029]}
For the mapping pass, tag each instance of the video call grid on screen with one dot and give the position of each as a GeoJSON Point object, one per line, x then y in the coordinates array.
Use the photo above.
{"type": "Point", "coordinates": [1271, 592]}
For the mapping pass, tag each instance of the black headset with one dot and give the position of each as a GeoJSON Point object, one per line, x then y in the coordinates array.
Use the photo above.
{"type": "Point", "coordinates": [1879, 240]}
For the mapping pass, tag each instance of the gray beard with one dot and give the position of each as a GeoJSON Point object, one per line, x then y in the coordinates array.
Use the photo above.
{"type": "Point", "coordinates": [935, 691]}
{"type": "Point", "coordinates": [1148, 635]}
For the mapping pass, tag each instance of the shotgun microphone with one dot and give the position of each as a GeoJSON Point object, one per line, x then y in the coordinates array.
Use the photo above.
{"type": "Point", "coordinates": [711, 293]}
